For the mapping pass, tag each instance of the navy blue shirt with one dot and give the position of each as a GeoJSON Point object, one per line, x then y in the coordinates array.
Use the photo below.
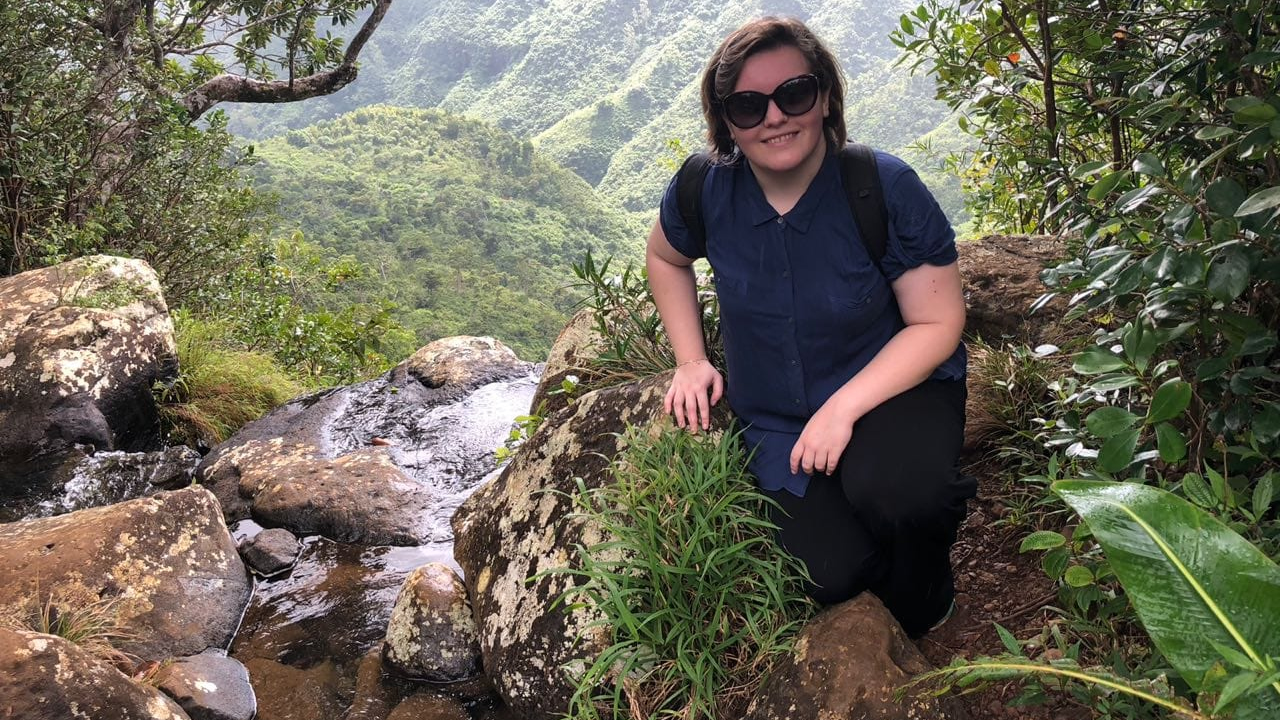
{"type": "Point", "coordinates": [803, 306]}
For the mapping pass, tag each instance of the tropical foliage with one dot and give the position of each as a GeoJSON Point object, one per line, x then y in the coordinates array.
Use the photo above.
{"type": "Point", "coordinates": [1147, 135]}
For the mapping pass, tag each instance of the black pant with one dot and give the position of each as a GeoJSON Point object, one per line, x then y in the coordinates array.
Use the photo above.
{"type": "Point", "coordinates": [886, 519]}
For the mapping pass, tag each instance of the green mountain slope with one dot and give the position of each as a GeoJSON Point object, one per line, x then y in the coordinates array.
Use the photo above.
{"type": "Point", "coordinates": [468, 228]}
{"type": "Point", "coordinates": [600, 86]}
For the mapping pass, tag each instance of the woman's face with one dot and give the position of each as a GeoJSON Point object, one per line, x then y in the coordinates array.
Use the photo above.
{"type": "Point", "coordinates": [780, 143]}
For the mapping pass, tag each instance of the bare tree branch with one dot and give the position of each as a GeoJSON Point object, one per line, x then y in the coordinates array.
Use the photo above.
{"type": "Point", "coordinates": [237, 88]}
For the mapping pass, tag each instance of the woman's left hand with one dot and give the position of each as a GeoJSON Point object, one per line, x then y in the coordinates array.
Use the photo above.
{"type": "Point", "coordinates": [823, 440]}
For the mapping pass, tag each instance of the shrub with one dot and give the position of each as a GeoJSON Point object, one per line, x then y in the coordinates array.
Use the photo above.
{"type": "Point", "coordinates": [698, 597]}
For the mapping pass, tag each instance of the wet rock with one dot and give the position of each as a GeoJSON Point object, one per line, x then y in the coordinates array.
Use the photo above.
{"type": "Point", "coordinates": [106, 478]}
{"type": "Point", "coordinates": [463, 362]}
{"type": "Point", "coordinates": [377, 693]}
{"type": "Point", "coordinates": [81, 345]}
{"type": "Point", "coordinates": [431, 634]}
{"type": "Point", "coordinates": [522, 523]}
{"type": "Point", "coordinates": [165, 566]}
{"type": "Point", "coordinates": [271, 551]}
{"type": "Point", "coordinates": [429, 706]}
{"type": "Point", "coordinates": [289, 693]}
{"type": "Point", "coordinates": [848, 663]}
{"type": "Point", "coordinates": [210, 686]}
{"type": "Point", "coordinates": [571, 354]}
{"type": "Point", "coordinates": [49, 677]}
{"type": "Point", "coordinates": [443, 436]}
{"type": "Point", "coordinates": [359, 497]}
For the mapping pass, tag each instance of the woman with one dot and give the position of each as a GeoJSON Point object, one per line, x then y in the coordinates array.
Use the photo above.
{"type": "Point", "coordinates": [848, 375]}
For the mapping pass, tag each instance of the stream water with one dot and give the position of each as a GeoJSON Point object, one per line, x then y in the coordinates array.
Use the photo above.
{"type": "Point", "coordinates": [305, 631]}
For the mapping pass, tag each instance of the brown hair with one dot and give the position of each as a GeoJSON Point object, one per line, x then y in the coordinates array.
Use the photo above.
{"type": "Point", "coordinates": [767, 33]}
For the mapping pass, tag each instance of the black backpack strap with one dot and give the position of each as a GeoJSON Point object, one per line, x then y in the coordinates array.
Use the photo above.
{"type": "Point", "coordinates": [689, 195]}
{"type": "Point", "coordinates": [861, 179]}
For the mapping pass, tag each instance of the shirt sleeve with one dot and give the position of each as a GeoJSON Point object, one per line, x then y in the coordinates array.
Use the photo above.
{"type": "Point", "coordinates": [673, 225]}
{"type": "Point", "coordinates": [919, 232]}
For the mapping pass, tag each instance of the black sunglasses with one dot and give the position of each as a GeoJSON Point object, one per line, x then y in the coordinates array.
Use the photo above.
{"type": "Point", "coordinates": [747, 109]}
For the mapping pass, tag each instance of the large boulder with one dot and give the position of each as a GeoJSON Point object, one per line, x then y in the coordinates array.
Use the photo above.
{"type": "Point", "coordinates": [359, 497]}
{"type": "Point", "coordinates": [577, 345]}
{"type": "Point", "coordinates": [164, 567]}
{"type": "Point", "coordinates": [522, 524]}
{"type": "Point", "coordinates": [431, 634]}
{"type": "Point", "coordinates": [81, 345]}
{"type": "Point", "coordinates": [48, 677]}
{"type": "Point", "coordinates": [848, 663]}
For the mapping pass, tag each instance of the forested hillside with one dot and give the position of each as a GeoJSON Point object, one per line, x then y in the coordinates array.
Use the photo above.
{"type": "Point", "coordinates": [468, 229]}
{"type": "Point", "coordinates": [602, 86]}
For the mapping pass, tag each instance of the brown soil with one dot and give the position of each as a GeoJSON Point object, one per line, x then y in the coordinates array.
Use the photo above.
{"type": "Point", "coordinates": [996, 584]}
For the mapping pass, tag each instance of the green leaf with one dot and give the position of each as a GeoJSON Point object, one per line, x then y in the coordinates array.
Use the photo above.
{"type": "Point", "coordinates": [1198, 491]}
{"type": "Point", "coordinates": [1229, 274]}
{"type": "Point", "coordinates": [1242, 102]}
{"type": "Point", "coordinates": [1266, 424]}
{"type": "Point", "coordinates": [1078, 576]}
{"type": "Point", "coordinates": [1224, 195]}
{"type": "Point", "coordinates": [1263, 494]}
{"type": "Point", "coordinates": [1219, 484]}
{"type": "Point", "coordinates": [992, 68]}
{"type": "Point", "coordinates": [1139, 343]}
{"type": "Point", "coordinates": [1010, 642]}
{"type": "Point", "coordinates": [1148, 164]}
{"type": "Point", "coordinates": [1260, 57]}
{"type": "Point", "coordinates": [1191, 579]}
{"type": "Point", "coordinates": [1042, 540]}
{"type": "Point", "coordinates": [1107, 421]}
{"type": "Point", "coordinates": [1170, 443]}
{"type": "Point", "coordinates": [1259, 114]}
{"type": "Point", "coordinates": [1234, 688]}
{"type": "Point", "coordinates": [1171, 400]}
{"type": "Point", "coordinates": [1084, 170]}
{"type": "Point", "coordinates": [905, 24]}
{"type": "Point", "coordinates": [1106, 184]}
{"type": "Point", "coordinates": [1117, 452]}
{"type": "Point", "coordinates": [1107, 383]}
{"type": "Point", "coordinates": [1262, 200]}
{"type": "Point", "coordinates": [1054, 562]}
{"type": "Point", "coordinates": [1213, 132]}
{"type": "Point", "coordinates": [1096, 360]}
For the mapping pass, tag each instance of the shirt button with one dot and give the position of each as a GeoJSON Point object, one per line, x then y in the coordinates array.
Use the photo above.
{"type": "Point", "coordinates": [790, 320]}
{"type": "Point", "coordinates": [793, 362]}
{"type": "Point", "coordinates": [781, 220]}
{"type": "Point", "coordinates": [786, 273]}
{"type": "Point", "coordinates": [795, 401]}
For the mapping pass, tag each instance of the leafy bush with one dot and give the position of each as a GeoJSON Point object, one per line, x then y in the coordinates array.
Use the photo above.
{"type": "Point", "coordinates": [697, 596]}
{"type": "Point", "coordinates": [1148, 135]}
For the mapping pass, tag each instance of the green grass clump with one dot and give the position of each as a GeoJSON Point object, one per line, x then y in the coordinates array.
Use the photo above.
{"type": "Point", "coordinates": [699, 598]}
{"type": "Point", "coordinates": [221, 387]}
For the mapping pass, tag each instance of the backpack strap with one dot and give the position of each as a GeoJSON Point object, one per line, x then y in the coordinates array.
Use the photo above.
{"type": "Point", "coordinates": [858, 172]}
{"type": "Point", "coordinates": [689, 180]}
{"type": "Point", "coordinates": [861, 178]}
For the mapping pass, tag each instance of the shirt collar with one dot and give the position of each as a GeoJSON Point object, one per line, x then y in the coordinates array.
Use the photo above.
{"type": "Point", "coordinates": [802, 214]}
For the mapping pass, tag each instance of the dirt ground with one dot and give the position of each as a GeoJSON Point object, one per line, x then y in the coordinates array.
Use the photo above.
{"type": "Point", "coordinates": [995, 584]}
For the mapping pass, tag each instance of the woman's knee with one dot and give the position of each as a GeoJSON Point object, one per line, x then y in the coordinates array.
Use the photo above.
{"type": "Point", "coordinates": [908, 493]}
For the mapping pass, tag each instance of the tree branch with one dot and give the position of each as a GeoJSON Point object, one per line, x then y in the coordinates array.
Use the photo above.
{"type": "Point", "coordinates": [237, 88]}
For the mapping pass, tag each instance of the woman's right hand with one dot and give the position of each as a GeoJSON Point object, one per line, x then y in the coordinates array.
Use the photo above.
{"type": "Point", "coordinates": [694, 383]}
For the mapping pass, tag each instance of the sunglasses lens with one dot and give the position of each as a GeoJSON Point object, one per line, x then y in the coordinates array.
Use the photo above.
{"type": "Point", "coordinates": [746, 109]}
{"type": "Point", "coordinates": [797, 96]}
